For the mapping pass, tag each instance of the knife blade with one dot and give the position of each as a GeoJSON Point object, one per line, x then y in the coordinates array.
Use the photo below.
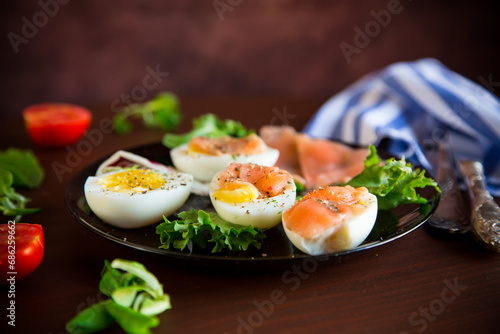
{"type": "Point", "coordinates": [451, 214]}
{"type": "Point", "coordinates": [485, 213]}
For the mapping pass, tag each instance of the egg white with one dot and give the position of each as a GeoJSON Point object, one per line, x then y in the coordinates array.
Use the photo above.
{"type": "Point", "coordinates": [204, 166]}
{"type": "Point", "coordinates": [261, 213]}
{"type": "Point", "coordinates": [348, 235]}
{"type": "Point", "coordinates": [131, 209]}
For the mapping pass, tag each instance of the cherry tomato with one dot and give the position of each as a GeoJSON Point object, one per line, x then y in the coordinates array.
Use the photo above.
{"type": "Point", "coordinates": [21, 250]}
{"type": "Point", "coordinates": [56, 124]}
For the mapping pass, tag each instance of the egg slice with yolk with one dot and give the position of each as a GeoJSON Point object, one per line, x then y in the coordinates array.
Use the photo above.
{"type": "Point", "coordinates": [136, 197]}
{"type": "Point", "coordinates": [331, 219]}
{"type": "Point", "coordinates": [250, 194]}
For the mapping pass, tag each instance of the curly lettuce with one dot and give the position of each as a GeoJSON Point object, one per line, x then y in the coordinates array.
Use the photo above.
{"type": "Point", "coordinates": [395, 182]}
{"type": "Point", "coordinates": [207, 229]}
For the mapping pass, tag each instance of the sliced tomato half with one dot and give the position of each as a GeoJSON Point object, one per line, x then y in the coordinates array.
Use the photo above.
{"type": "Point", "coordinates": [56, 124]}
{"type": "Point", "coordinates": [21, 250]}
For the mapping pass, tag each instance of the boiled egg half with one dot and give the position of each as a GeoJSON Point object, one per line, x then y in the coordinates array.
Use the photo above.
{"type": "Point", "coordinates": [251, 194]}
{"type": "Point", "coordinates": [136, 197]}
{"type": "Point", "coordinates": [203, 157]}
{"type": "Point", "coordinates": [331, 219]}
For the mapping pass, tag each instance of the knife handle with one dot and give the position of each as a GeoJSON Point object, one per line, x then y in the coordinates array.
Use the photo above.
{"type": "Point", "coordinates": [485, 213]}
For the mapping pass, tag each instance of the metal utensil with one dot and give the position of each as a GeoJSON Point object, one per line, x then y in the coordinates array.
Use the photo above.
{"type": "Point", "coordinates": [485, 213]}
{"type": "Point", "coordinates": [450, 215]}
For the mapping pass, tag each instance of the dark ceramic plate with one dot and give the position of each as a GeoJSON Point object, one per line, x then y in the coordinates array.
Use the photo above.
{"type": "Point", "coordinates": [276, 251]}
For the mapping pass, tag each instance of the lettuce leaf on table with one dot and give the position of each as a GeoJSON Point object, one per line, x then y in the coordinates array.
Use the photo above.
{"type": "Point", "coordinates": [18, 168]}
{"type": "Point", "coordinates": [11, 202]}
{"type": "Point", "coordinates": [207, 229]}
{"type": "Point", "coordinates": [24, 166]}
{"type": "Point", "coordinates": [394, 182]}
{"type": "Point", "coordinates": [136, 297]}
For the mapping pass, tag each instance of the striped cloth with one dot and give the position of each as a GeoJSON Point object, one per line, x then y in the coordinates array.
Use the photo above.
{"type": "Point", "coordinates": [413, 106]}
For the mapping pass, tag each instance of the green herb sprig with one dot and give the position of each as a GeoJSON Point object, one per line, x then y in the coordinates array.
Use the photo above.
{"type": "Point", "coordinates": [162, 111]}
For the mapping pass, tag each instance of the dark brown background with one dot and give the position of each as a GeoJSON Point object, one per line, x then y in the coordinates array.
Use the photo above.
{"type": "Point", "coordinates": [91, 52]}
{"type": "Point", "coordinates": [263, 55]}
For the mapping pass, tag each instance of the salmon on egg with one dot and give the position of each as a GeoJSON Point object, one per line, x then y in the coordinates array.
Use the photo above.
{"type": "Point", "coordinates": [136, 197]}
{"type": "Point", "coordinates": [331, 219]}
{"type": "Point", "coordinates": [251, 194]}
{"type": "Point", "coordinates": [202, 157]}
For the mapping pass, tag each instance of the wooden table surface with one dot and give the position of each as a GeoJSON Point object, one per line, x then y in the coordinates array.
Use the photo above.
{"type": "Point", "coordinates": [420, 283]}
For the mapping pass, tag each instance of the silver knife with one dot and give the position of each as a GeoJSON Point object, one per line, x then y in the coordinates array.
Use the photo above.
{"type": "Point", "coordinates": [485, 213]}
{"type": "Point", "coordinates": [451, 215]}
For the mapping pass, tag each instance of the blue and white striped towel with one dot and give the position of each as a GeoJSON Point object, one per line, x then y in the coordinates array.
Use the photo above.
{"type": "Point", "coordinates": [413, 104]}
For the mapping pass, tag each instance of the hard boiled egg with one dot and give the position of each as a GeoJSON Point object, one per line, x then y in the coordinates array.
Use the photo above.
{"type": "Point", "coordinates": [204, 157]}
{"type": "Point", "coordinates": [136, 197]}
{"type": "Point", "coordinates": [250, 194]}
{"type": "Point", "coordinates": [331, 219]}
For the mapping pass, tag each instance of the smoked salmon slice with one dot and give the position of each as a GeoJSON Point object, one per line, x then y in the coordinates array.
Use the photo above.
{"type": "Point", "coordinates": [324, 162]}
{"type": "Point", "coordinates": [316, 162]}
{"type": "Point", "coordinates": [323, 208]}
{"type": "Point", "coordinates": [250, 144]}
{"type": "Point", "coordinates": [283, 138]}
{"type": "Point", "coordinates": [270, 181]}
{"type": "Point", "coordinates": [331, 219]}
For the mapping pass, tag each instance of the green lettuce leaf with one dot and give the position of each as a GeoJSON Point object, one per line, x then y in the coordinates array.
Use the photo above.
{"type": "Point", "coordinates": [395, 182]}
{"type": "Point", "coordinates": [136, 298]}
{"type": "Point", "coordinates": [92, 319]}
{"type": "Point", "coordinates": [207, 229]}
{"type": "Point", "coordinates": [11, 202]}
{"type": "Point", "coordinates": [208, 125]}
{"type": "Point", "coordinates": [24, 166]}
{"type": "Point", "coordinates": [131, 321]}
{"type": "Point", "coordinates": [162, 111]}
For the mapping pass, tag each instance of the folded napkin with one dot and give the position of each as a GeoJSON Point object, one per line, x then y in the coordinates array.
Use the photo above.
{"type": "Point", "coordinates": [413, 106]}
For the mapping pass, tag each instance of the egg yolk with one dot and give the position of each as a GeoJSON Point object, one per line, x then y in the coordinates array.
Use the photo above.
{"type": "Point", "coordinates": [139, 180]}
{"type": "Point", "coordinates": [236, 192]}
{"type": "Point", "coordinates": [251, 144]}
